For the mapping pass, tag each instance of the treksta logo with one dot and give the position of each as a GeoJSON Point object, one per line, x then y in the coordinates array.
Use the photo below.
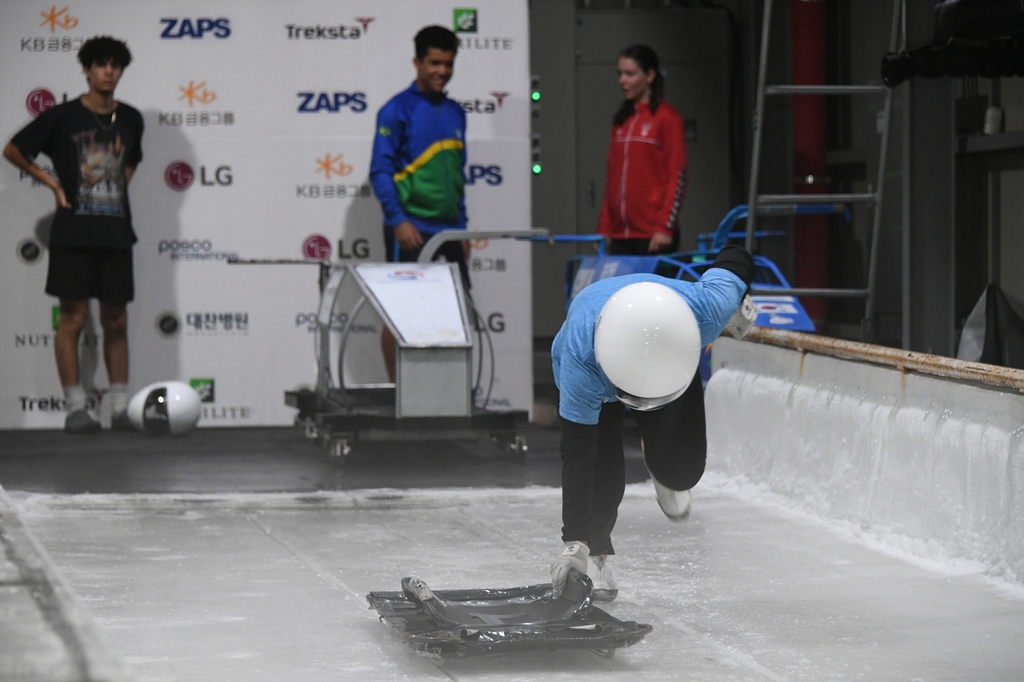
{"type": "Point", "coordinates": [195, 28]}
{"type": "Point", "coordinates": [484, 106]}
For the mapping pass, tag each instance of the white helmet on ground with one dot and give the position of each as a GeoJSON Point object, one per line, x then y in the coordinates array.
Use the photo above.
{"type": "Point", "coordinates": [647, 343]}
{"type": "Point", "coordinates": [165, 408]}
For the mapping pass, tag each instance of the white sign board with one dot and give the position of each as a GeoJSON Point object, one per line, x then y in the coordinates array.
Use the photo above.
{"type": "Point", "coordinates": [260, 118]}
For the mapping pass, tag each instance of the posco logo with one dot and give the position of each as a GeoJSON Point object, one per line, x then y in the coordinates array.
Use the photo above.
{"type": "Point", "coordinates": [195, 28]}
{"type": "Point", "coordinates": [39, 100]}
{"type": "Point", "coordinates": [185, 246]}
{"type": "Point", "coordinates": [339, 323]}
{"type": "Point", "coordinates": [193, 250]}
{"type": "Point", "coordinates": [332, 102]}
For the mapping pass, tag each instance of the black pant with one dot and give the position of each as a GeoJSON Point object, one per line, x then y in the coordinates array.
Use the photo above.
{"type": "Point", "coordinates": [639, 247]}
{"type": "Point", "coordinates": [593, 463]}
{"type": "Point", "coordinates": [452, 252]}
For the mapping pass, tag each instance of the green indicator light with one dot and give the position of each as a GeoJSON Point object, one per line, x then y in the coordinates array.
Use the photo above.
{"type": "Point", "coordinates": [536, 169]}
{"type": "Point", "coordinates": [535, 96]}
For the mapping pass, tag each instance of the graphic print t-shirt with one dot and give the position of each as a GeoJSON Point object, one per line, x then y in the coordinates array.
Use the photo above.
{"type": "Point", "coordinates": [89, 155]}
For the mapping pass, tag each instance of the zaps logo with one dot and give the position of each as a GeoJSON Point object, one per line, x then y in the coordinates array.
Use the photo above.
{"type": "Point", "coordinates": [205, 388]}
{"type": "Point", "coordinates": [406, 275]}
{"type": "Point", "coordinates": [464, 20]}
{"type": "Point", "coordinates": [56, 18]}
{"type": "Point", "coordinates": [316, 247]}
{"type": "Point", "coordinates": [314, 102]}
{"type": "Point", "coordinates": [195, 28]}
{"type": "Point", "coordinates": [196, 92]}
{"type": "Point", "coordinates": [179, 176]}
{"type": "Point", "coordinates": [39, 100]}
{"type": "Point", "coordinates": [488, 174]}
{"type": "Point", "coordinates": [333, 164]}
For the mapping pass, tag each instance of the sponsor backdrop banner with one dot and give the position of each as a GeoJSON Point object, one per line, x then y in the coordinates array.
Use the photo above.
{"type": "Point", "coordinates": [259, 125]}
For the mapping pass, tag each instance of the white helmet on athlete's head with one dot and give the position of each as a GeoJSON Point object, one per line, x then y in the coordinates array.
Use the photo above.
{"type": "Point", "coordinates": [165, 408]}
{"type": "Point", "coordinates": [647, 343]}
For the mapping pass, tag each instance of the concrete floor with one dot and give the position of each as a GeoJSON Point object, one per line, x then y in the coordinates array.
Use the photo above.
{"type": "Point", "coordinates": [237, 555]}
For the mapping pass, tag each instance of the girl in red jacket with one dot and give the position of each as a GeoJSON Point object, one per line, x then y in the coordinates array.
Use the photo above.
{"type": "Point", "coordinates": [646, 175]}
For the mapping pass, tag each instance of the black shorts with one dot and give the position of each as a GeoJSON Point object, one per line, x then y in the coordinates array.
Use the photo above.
{"type": "Point", "coordinates": [78, 274]}
{"type": "Point", "coordinates": [451, 251]}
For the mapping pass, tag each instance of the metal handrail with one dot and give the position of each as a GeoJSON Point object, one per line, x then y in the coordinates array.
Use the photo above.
{"type": "Point", "coordinates": [903, 360]}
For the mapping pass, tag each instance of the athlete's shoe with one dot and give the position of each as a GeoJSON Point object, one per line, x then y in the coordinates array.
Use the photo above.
{"type": "Point", "coordinates": [605, 587]}
{"type": "Point", "coordinates": [121, 422]}
{"type": "Point", "coordinates": [80, 421]}
{"type": "Point", "coordinates": [675, 503]}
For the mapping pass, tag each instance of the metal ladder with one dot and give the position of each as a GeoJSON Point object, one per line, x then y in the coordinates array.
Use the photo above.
{"type": "Point", "coordinates": [765, 204]}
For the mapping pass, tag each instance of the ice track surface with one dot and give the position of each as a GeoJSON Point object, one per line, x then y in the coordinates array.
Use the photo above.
{"type": "Point", "coordinates": [272, 587]}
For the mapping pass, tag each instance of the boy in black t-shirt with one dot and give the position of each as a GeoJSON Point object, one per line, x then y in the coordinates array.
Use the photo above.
{"type": "Point", "coordinates": [95, 144]}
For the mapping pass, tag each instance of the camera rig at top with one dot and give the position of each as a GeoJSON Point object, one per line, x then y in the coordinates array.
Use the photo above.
{"type": "Point", "coordinates": [972, 38]}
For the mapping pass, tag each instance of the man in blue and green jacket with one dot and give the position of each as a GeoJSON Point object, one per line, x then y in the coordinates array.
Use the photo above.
{"type": "Point", "coordinates": [419, 152]}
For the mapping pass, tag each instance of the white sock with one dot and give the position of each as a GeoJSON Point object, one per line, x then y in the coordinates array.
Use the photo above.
{"type": "Point", "coordinates": [118, 395]}
{"type": "Point", "coordinates": [74, 398]}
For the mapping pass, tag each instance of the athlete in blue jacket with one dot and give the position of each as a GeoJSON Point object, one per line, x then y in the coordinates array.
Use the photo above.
{"type": "Point", "coordinates": [635, 341]}
{"type": "Point", "coordinates": [419, 152]}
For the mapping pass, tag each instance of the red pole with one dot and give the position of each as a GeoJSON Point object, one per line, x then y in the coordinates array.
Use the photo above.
{"type": "Point", "coordinates": [809, 141]}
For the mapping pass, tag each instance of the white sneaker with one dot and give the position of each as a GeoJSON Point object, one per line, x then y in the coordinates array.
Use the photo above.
{"type": "Point", "coordinates": [605, 587]}
{"type": "Point", "coordinates": [675, 503]}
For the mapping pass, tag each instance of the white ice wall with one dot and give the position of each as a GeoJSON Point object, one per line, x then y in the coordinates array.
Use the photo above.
{"type": "Point", "coordinates": [936, 460]}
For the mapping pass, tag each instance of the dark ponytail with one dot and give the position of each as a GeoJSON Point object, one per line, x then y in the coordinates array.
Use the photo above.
{"type": "Point", "coordinates": [647, 59]}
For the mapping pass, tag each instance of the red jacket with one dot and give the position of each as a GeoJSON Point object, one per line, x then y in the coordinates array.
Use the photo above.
{"type": "Point", "coordinates": [646, 177]}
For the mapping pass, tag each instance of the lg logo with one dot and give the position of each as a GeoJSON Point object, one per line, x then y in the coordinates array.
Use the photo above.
{"type": "Point", "coordinates": [195, 28]}
{"type": "Point", "coordinates": [495, 323]}
{"type": "Point", "coordinates": [489, 174]}
{"type": "Point", "coordinates": [316, 247]}
{"type": "Point", "coordinates": [360, 249]}
{"type": "Point", "coordinates": [179, 176]}
{"type": "Point", "coordinates": [39, 100]}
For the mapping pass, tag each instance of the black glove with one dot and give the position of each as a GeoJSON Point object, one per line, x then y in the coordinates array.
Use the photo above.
{"type": "Point", "coordinates": [736, 260]}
